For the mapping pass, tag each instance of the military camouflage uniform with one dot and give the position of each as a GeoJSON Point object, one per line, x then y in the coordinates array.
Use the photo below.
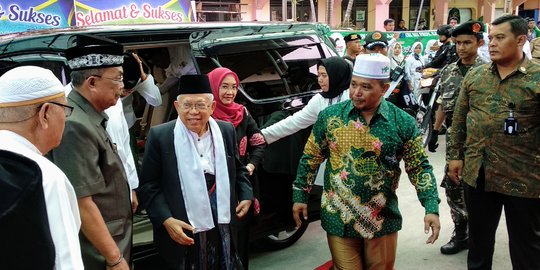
{"type": "Point", "coordinates": [451, 78]}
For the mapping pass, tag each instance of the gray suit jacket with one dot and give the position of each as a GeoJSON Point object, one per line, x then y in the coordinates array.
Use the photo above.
{"type": "Point", "coordinates": [161, 193]}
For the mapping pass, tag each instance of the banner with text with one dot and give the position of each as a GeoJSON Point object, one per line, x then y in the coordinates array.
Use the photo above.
{"type": "Point", "coordinates": [20, 16]}
{"type": "Point", "coordinates": [107, 12]}
{"type": "Point", "coordinates": [406, 38]}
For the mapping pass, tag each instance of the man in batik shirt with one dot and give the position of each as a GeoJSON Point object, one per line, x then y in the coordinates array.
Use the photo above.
{"type": "Point", "coordinates": [498, 160]}
{"type": "Point", "coordinates": [364, 139]}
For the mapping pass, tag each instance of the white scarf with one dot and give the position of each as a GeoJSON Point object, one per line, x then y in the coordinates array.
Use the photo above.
{"type": "Point", "coordinates": [192, 179]}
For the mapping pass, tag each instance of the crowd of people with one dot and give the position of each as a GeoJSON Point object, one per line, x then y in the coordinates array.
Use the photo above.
{"type": "Point", "coordinates": [69, 180]}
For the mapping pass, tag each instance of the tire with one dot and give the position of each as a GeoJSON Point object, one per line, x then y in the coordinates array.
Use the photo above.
{"type": "Point", "coordinates": [283, 238]}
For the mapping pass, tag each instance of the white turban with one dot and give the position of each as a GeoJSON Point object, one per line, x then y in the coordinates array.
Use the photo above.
{"type": "Point", "coordinates": [372, 66]}
{"type": "Point", "coordinates": [27, 85]}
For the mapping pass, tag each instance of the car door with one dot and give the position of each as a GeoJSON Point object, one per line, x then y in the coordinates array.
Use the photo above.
{"type": "Point", "coordinates": [277, 68]}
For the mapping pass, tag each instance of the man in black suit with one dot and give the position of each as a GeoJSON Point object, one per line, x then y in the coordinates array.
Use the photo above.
{"type": "Point", "coordinates": [193, 183]}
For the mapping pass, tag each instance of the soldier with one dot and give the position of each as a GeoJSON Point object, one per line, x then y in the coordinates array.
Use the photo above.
{"type": "Point", "coordinates": [447, 52]}
{"type": "Point", "coordinates": [376, 42]}
{"type": "Point", "coordinates": [469, 38]}
{"type": "Point", "coordinates": [498, 160]}
{"type": "Point", "coordinates": [353, 48]}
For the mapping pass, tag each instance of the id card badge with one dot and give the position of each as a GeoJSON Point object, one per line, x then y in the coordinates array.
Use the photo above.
{"type": "Point", "coordinates": [511, 123]}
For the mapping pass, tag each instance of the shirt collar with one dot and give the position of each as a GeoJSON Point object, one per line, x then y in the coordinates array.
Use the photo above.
{"type": "Point", "coordinates": [522, 68]}
{"type": "Point", "coordinates": [97, 118]}
{"type": "Point", "coordinates": [383, 109]}
{"type": "Point", "coordinates": [20, 139]}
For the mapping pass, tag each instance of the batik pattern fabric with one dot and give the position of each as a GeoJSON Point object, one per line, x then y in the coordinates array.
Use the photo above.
{"type": "Point", "coordinates": [214, 249]}
{"type": "Point", "coordinates": [362, 173]}
{"type": "Point", "coordinates": [511, 162]}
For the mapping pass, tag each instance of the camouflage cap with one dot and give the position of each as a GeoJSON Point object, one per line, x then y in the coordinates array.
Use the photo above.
{"type": "Point", "coordinates": [468, 28]}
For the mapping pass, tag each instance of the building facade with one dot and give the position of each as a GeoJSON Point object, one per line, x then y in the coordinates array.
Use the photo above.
{"type": "Point", "coordinates": [365, 14]}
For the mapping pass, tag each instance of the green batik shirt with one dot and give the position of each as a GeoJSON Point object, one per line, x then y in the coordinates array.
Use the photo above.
{"type": "Point", "coordinates": [362, 173]}
{"type": "Point", "coordinates": [511, 162]}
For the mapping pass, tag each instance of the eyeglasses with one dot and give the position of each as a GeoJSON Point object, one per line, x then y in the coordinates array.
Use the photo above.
{"type": "Point", "coordinates": [119, 79]}
{"type": "Point", "coordinates": [68, 110]}
{"type": "Point", "coordinates": [200, 106]}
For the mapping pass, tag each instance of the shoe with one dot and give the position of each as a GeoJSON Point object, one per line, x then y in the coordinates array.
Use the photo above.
{"type": "Point", "coordinates": [454, 246]}
{"type": "Point", "coordinates": [442, 130]}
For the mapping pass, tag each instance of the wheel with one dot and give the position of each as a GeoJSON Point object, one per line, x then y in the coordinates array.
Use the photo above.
{"type": "Point", "coordinates": [283, 238]}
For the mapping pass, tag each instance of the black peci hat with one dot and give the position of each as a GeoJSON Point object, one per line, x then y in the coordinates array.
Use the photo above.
{"type": "Point", "coordinates": [194, 84]}
{"type": "Point", "coordinates": [468, 28]}
{"type": "Point", "coordinates": [352, 37]}
{"type": "Point", "coordinates": [94, 52]}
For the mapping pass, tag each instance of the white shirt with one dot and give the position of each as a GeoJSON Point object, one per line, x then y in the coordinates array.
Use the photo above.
{"type": "Point", "coordinates": [60, 201]}
{"type": "Point", "coordinates": [301, 119]}
{"type": "Point", "coordinates": [118, 130]}
{"type": "Point", "coordinates": [205, 149]}
{"type": "Point", "coordinates": [149, 91]}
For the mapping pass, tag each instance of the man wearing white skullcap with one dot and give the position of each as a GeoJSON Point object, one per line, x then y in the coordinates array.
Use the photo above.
{"type": "Point", "coordinates": [89, 157]}
{"type": "Point", "coordinates": [364, 140]}
{"type": "Point", "coordinates": [32, 114]}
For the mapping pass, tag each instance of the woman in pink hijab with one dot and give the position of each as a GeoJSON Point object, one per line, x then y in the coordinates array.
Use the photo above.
{"type": "Point", "coordinates": [251, 143]}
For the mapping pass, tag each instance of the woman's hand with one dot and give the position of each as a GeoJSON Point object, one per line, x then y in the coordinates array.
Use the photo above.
{"type": "Point", "coordinates": [250, 168]}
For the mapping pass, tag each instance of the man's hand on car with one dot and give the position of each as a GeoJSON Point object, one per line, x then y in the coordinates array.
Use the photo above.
{"type": "Point", "coordinates": [176, 228]}
{"type": "Point", "coordinates": [297, 209]}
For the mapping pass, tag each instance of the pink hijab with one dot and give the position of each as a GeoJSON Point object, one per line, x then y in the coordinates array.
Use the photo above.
{"type": "Point", "coordinates": [233, 113]}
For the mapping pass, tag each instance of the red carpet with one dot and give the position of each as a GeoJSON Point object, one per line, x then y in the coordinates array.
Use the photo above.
{"type": "Point", "coordinates": [326, 266]}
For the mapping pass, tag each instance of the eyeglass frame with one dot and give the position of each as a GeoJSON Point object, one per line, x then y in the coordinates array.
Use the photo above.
{"type": "Point", "coordinates": [68, 110]}
{"type": "Point", "coordinates": [121, 80]}
{"type": "Point", "coordinates": [194, 106]}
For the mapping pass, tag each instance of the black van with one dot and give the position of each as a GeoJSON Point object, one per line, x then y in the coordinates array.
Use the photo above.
{"type": "Point", "coordinates": [276, 64]}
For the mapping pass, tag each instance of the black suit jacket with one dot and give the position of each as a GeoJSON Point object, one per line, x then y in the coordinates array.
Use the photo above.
{"type": "Point", "coordinates": [161, 193]}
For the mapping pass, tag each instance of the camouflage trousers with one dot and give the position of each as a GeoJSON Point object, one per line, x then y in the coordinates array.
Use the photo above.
{"type": "Point", "coordinates": [454, 193]}
{"type": "Point", "coordinates": [455, 198]}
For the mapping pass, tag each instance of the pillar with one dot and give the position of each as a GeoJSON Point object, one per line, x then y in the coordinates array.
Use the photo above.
{"type": "Point", "coordinates": [405, 12]}
{"type": "Point", "coordinates": [336, 18]}
{"type": "Point", "coordinates": [378, 11]}
{"type": "Point", "coordinates": [441, 12]}
{"type": "Point", "coordinates": [488, 10]}
{"type": "Point", "coordinates": [515, 6]}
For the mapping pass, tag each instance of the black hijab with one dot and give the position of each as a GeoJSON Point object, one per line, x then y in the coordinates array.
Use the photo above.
{"type": "Point", "coordinates": [339, 75]}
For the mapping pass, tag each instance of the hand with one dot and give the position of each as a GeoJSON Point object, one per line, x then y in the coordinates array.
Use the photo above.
{"type": "Point", "coordinates": [176, 228]}
{"type": "Point", "coordinates": [432, 221]}
{"type": "Point", "coordinates": [396, 35]}
{"type": "Point", "coordinates": [138, 59]}
{"type": "Point", "coordinates": [250, 168]}
{"type": "Point", "coordinates": [134, 201]}
{"type": "Point", "coordinates": [455, 168]}
{"type": "Point", "coordinates": [123, 265]}
{"type": "Point", "coordinates": [243, 208]}
{"type": "Point", "coordinates": [297, 209]}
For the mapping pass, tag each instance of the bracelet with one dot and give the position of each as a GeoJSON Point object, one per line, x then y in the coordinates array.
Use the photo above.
{"type": "Point", "coordinates": [117, 262]}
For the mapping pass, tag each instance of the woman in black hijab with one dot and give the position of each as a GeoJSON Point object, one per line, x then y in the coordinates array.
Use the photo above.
{"type": "Point", "coordinates": [334, 77]}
